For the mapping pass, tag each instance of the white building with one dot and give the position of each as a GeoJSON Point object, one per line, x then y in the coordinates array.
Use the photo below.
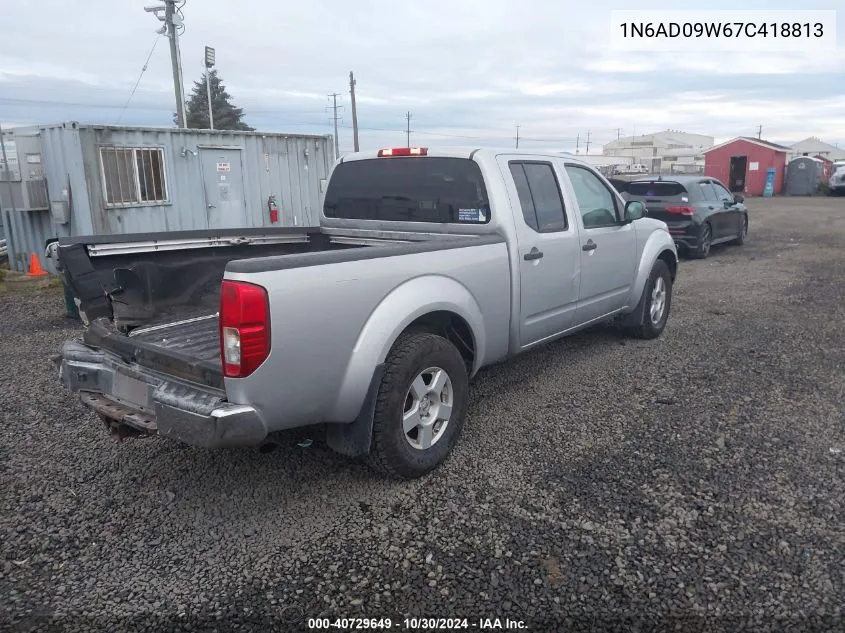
{"type": "Point", "coordinates": [668, 151]}
{"type": "Point", "coordinates": [602, 160]}
{"type": "Point", "coordinates": [815, 147]}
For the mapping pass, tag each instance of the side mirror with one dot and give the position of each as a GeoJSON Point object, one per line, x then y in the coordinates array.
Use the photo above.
{"type": "Point", "coordinates": [739, 197]}
{"type": "Point", "coordinates": [634, 210]}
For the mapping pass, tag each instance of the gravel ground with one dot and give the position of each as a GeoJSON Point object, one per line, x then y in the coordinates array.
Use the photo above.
{"type": "Point", "coordinates": [601, 483]}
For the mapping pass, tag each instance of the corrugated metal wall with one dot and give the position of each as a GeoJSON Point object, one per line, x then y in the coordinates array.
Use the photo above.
{"type": "Point", "coordinates": [26, 233]}
{"type": "Point", "coordinates": [289, 167]}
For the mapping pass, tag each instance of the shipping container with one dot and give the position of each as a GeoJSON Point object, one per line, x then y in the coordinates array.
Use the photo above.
{"type": "Point", "coordinates": [110, 180]}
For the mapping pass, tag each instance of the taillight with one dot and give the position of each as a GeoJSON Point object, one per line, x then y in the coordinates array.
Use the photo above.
{"type": "Point", "coordinates": [403, 151]}
{"type": "Point", "coordinates": [244, 328]}
{"type": "Point", "coordinates": [680, 210]}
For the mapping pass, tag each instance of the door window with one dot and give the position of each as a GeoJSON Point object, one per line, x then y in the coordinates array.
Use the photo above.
{"type": "Point", "coordinates": [539, 196]}
{"type": "Point", "coordinates": [722, 193]}
{"type": "Point", "coordinates": [596, 201]}
{"type": "Point", "coordinates": [708, 192]}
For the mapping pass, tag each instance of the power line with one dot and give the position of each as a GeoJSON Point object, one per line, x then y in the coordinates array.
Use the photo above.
{"type": "Point", "coordinates": [143, 70]}
{"type": "Point", "coordinates": [42, 102]}
{"type": "Point", "coordinates": [275, 114]}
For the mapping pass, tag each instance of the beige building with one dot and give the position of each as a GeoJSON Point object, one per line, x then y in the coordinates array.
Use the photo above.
{"type": "Point", "coordinates": [671, 151]}
{"type": "Point", "coordinates": [813, 146]}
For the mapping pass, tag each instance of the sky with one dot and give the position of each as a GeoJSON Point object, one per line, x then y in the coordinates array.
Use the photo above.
{"type": "Point", "coordinates": [468, 71]}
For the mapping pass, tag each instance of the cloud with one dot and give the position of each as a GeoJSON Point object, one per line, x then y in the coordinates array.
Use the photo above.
{"type": "Point", "coordinates": [469, 71]}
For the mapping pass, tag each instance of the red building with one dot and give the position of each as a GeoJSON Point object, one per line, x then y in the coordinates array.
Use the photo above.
{"type": "Point", "coordinates": [741, 164]}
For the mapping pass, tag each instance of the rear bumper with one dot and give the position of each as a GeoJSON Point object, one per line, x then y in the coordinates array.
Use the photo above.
{"type": "Point", "coordinates": [151, 404]}
{"type": "Point", "coordinates": [685, 234]}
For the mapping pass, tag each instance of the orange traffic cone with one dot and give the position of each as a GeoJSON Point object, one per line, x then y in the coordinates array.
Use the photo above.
{"type": "Point", "coordinates": [35, 269]}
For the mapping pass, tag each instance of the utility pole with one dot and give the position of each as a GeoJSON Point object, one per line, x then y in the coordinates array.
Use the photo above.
{"type": "Point", "coordinates": [618, 132]}
{"type": "Point", "coordinates": [517, 136]}
{"type": "Point", "coordinates": [172, 22]}
{"type": "Point", "coordinates": [577, 142]}
{"type": "Point", "coordinates": [8, 176]}
{"type": "Point", "coordinates": [759, 131]}
{"type": "Point", "coordinates": [588, 142]}
{"type": "Point", "coordinates": [209, 62]}
{"type": "Point", "coordinates": [408, 128]}
{"type": "Point", "coordinates": [354, 112]}
{"type": "Point", "coordinates": [334, 97]}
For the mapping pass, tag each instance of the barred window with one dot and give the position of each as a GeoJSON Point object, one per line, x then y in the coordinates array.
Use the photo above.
{"type": "Point", "coordinates": [133, 175]}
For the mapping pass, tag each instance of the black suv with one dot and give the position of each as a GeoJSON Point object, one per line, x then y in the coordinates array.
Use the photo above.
{"type": "Point", "coordinates": [699, 210]}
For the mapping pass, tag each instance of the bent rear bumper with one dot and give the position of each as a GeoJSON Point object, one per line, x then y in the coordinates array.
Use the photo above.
{"type": "Point", "coordinates": [151, 404]}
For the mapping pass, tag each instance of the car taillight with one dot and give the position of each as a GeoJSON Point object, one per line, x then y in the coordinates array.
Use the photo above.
{"type": "Point", "coordinates": [680, 210]}
{"type": "Point", "coordinates": [244, 328]}
{"type": "Point", "coordinates": [403, 151]}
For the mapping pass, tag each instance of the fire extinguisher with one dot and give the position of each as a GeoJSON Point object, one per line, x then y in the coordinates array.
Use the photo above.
{"type": "Point", "coordinates": [274, 210]}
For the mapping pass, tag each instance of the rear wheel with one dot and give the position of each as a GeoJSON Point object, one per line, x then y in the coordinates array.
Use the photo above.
{"type": "Point", "coordinates": [421, 406]}
{"type": "Point", "coordinates": [648, 320]}
{"type": "Point", "coordinates": [705, 241]}
{"type": "Point", "coordinates": [743, 233]}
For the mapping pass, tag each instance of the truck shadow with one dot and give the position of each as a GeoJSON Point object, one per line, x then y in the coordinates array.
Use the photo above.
{"type": "Point", "coordinates": [302, 464]}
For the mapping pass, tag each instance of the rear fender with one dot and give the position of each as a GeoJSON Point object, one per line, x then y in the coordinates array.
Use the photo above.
{"type": "Point", "coordinates": [404, 305]}
{"type": "Point", "coordinates": [658, 242]}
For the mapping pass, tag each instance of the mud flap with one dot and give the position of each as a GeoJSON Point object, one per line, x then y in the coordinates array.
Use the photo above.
{"type": "Point", "coordinates": [353, 439]}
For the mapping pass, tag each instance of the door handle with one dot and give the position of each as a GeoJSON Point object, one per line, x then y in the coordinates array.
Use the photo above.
{"type": "Point", "coordinates": [533, 254]}
{"type": "Point", "coordinates": [589, 246]}
{"type": "Point", "coordinates": [211, 206]}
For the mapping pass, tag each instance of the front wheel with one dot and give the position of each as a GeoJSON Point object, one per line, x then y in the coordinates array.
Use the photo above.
{"type": "Point", "coordinates": [743, 233]}
{"type": "Point", "coordinates": [421, 406]}
{"type": "Point", "coordinates": [648, 320]}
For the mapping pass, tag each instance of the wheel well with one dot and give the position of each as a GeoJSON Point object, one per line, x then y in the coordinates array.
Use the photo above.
{"type": "Point", "coordinates": [671, 262]}
{"type": "Point", "coordinates": [451, 327]}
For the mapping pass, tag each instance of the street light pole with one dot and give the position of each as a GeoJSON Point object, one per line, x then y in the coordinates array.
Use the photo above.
{"type": "Point", "coordinates": [209, 62]}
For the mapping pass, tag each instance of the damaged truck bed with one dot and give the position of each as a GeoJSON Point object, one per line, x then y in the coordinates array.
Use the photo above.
{"type": "Point", "coordinates": [150, 303]}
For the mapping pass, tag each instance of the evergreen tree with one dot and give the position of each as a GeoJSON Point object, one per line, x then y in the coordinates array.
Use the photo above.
{"type": "Point", "coordinates": [226, 115]}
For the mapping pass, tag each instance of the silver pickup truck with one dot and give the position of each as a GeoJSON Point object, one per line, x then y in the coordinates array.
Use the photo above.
{"type": "Point", "coordinates": [427, 266]}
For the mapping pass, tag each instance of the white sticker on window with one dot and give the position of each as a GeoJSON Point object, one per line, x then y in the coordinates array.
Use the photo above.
{"type": "Point", "coordinates": [472, 215]}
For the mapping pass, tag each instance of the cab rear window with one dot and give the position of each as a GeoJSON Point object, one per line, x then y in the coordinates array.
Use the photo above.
{"type": "Point", "coordinates": [416, 189]}
{"type": "Point", "coordinates": [656, 189]}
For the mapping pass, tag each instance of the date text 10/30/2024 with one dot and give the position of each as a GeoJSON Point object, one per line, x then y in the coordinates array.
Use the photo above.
{"type": "Point", "coordinates": [411, 624]}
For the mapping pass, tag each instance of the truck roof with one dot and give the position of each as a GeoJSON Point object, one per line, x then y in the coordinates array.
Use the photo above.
{"type": "Point", "coordinates": [465, 152]}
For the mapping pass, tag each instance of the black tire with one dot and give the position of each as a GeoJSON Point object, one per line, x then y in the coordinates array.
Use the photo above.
{"type": "Point", "coordinates": [391, 452]}
{"type": "Point", "coordinates": [639, 323]}
{"type": "Point", "coordinates": [743, 233]}
{"type": "Point", "coordinates": [705, 241]}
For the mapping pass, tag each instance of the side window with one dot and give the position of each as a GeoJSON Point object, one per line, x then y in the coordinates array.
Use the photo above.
{"type": "Point", "coordinates": [539, 196]}
{"type": "Point", "coordinates": [722, 193]}
{"type": "Point", "coordinates": [597, 203]}
{"type": "Point", "coordinates": [707, 192]}
{"type": "Point", "coordinates": [524, 193]}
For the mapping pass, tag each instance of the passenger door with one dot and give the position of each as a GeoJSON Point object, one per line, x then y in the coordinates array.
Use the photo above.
{"type": "Point", "coordinates": [713, 209]}
{"type": "Point", "coordinates": [608, 246]}
{"type": "Point", "coordinates": [730, 214]}
{"type": "Point", "coordinates": [547, 248]}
